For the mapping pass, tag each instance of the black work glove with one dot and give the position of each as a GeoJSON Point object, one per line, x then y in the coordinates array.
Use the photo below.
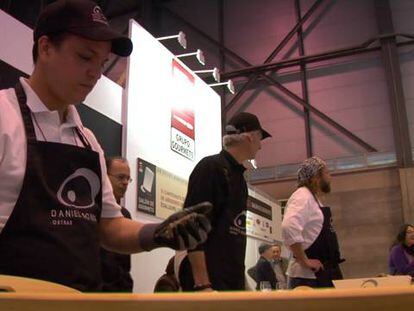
{"type": "Point", "coordinates": [182, 230]}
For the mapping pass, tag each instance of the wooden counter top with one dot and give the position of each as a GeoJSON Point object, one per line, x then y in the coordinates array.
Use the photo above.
{"type": "Point", "coordinates": [401, 298]}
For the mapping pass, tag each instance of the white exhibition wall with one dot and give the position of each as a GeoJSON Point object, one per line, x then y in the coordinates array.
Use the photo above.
{"type": "Point", "coordinates": [157, 85]}
{"type": "Point", "coordinates": [153, 91]}
{"type": "Point", "coordinates": [254, 241]}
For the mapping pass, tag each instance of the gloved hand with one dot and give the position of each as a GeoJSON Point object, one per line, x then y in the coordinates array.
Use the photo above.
{"type": "Point", "coordinates": [182, 230]}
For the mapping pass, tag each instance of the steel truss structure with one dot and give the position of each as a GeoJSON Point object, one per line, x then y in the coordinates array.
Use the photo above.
{"type": "Point", "coordinates": [387, 43]}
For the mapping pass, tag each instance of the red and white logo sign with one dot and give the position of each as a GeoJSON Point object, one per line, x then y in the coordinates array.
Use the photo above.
{"type": "Point", "coordinates": [183, 121]}
{"type": "Point", "coordinates": [182, 115]}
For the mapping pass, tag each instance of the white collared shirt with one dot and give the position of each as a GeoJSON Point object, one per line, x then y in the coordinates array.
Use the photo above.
{"type": "Point", "coordinates": [302, 223]}
{"type": "Point", "coordinates": [13, 147]}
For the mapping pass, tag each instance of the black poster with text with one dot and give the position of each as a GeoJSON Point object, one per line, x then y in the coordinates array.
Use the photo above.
{"type": "Point", "coordinates": [146, 187]}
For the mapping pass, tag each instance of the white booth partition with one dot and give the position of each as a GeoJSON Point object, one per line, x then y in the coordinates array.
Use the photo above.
{"type": "Point", "coordinates": [172, 119]}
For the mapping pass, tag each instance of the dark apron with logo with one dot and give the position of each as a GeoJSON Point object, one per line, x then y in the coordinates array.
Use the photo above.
{"type": "Point", "coordinates": [52, 233]}
{"type": "Point", "coordinates": [326, 249]}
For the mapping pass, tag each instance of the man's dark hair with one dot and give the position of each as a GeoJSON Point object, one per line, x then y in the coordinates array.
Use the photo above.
{"type": "Point", "coordinates": [55, 39]}
{"type": "Point", "coordinates": [264, 247]}
{"type": "Point", "coordinates": [109, 161]}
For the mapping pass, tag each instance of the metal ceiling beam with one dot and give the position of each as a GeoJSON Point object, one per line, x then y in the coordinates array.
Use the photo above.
{"type": "Point", "coordinates": [252, 78]}
{"type": "Point", "coordinates": [390, 57]}
{"type": "Point", "coordinates": [273, 82]}
{"type": "Point", "coordinates": [308, 59]}
{"type": "Point", "coordinates": [204, 35]}
{"type": "Point", "coordinates": [321, 115]}
{"type": "Point", "coordinates": [304, 83]}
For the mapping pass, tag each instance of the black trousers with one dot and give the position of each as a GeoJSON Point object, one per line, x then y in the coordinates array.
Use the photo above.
{"type": "Point", "coordinates": [220, 284]}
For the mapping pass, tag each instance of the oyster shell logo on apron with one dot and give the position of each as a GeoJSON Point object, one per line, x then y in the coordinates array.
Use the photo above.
{"type": "Point", "coordinates": [70, 194]}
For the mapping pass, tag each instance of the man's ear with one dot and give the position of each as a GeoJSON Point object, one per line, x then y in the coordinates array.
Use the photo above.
{"type": "Point", "coordinates": [43, 47]}
{"type": "Point", "coordinates": [249, 136]}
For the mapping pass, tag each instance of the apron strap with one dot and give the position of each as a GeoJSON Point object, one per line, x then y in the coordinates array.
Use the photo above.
{"type": "Point", "coordinates": [83, 138]}
{"type": "Point", "coordinates": [315, 198]}
{"type": "Point", "coordinates": [26, 114]}
{"type": "Point", "coordinates": [28, 121]}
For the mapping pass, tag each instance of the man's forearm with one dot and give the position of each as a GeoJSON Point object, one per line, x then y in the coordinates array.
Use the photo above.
{"type": "Point", "coordinates": [300, 255]}
{"type": "Point", "coordinates": [120, 234]}
{"type": "Point", "coordinates": [199, 267]}
{"type": "Point", "coordinates": [298, 252]}
{"type": "Point", "coordinates": [181, 230]}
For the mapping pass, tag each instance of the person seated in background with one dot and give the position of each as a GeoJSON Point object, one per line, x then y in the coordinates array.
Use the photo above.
{"type": "Point", "coordinates": [264, 270]}
{"type": "Point", "coordinates": [116, 267]}
{"type": "Point", "coordinates": [401, 260]}
{"type": "Point", "coordinates": [168, 281]}
{"type": "Point", "coordinates": [279, 265]}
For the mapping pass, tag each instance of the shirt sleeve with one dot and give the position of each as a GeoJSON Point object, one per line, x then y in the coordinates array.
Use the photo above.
{"type": "Point", "coordinates": [295, 218]}
{"type": "Point", "coordinates": [399, 262]}
{"type": "Point", "coordinates": [110, 209]}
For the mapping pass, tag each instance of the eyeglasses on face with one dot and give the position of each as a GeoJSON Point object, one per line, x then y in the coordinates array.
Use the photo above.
{"type": "Point", "coordinates": [121, 177]}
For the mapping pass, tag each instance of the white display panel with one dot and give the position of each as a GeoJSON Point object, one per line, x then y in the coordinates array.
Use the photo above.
{"type": "Point", "coordinates": [172, 118]}
{"type": "Point", "coordinates": [265, 225]}
{"type": "Point", "coordinates": [154, 90]}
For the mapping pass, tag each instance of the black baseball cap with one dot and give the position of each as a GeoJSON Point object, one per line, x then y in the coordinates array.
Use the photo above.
{"type": "Point", "coordinates": [245, 122]}
{"type": "Point", "coordinates": [83, 18]}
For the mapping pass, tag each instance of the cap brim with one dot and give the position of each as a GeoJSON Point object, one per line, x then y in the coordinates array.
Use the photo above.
{"type": "Point", "coordinates": [265, 134]}
{"type": "Point", "coordinates": [121, 45]}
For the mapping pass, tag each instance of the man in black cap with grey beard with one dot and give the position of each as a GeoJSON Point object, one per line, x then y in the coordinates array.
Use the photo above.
{"type": "Point", "coordinates": [56, 202]}
{"type": "Point", "coordinates": [218, 264]}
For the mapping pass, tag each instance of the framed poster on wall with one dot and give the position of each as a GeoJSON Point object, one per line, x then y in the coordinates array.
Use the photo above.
{"type": "Point", "coordinates": [160, 193]}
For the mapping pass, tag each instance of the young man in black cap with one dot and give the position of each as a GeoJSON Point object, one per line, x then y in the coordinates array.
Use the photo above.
{"type": "Point", "coordinates": [56, 202]}
{"type": "Point", "coordinates": [218, 264]}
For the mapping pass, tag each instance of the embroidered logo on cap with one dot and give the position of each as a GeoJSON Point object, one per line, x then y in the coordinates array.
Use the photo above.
{"type": "Point", "coordinates": [98, 16]}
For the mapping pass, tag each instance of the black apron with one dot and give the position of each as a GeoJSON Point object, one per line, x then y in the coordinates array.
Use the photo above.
{"type": "Point", "coordinates": [326, 249]}
{"type": "Point", "coordinates": [52, 233]}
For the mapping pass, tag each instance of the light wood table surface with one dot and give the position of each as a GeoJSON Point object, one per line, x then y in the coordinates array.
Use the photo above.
{"type": "Point", "coordinates": [59, 299]}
